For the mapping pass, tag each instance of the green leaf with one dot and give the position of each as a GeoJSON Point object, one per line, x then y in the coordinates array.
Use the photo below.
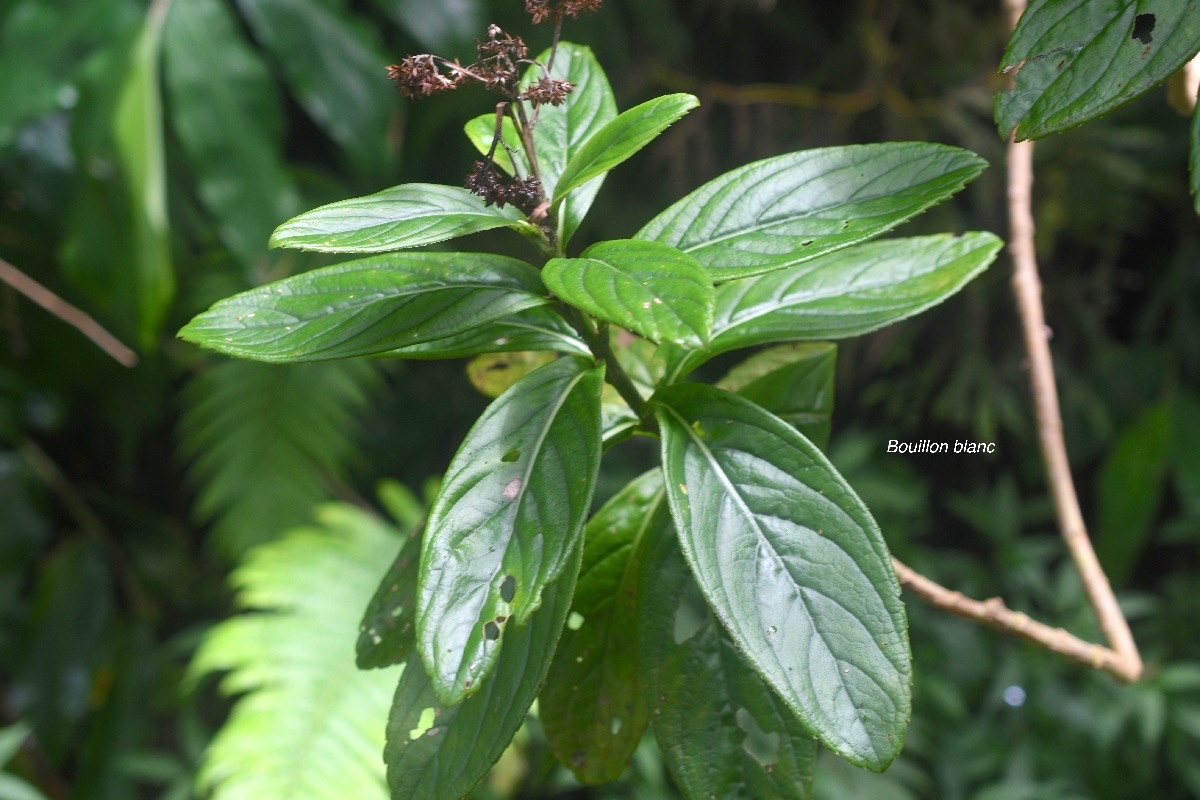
{"type": "Point", "coordinates": [619, 139]}
{"type": "Point", "coordinates": [845, 294]}
{"type": "Point", "coordinates": [793, 565]}
{"type": "Point", "coordinates": [534, 329]}
{"type": "Point", "coordinates": [507, 520]}
{"type": "Point", "coordinates": [11, 739]}
{"type": "Point", "coordinates": [645, 287]}
{"type": "Point", "coordinates": [594, 706]}
{"type": "Point", "coordinates": [366, 307]}
{"type": "Point", "coordinates": [217, 85]}
{"type": "Point", "coordinates": [439, 751]}
{"type": "Point", "coordinates": [1129, 490]}
{"type": "Point", "coordinates": [263, 443]}
{"type": "Point", "coordinates": [138, 132]}
{"type": "Point", "coordinates": [386, 633]}
{"type": "Point", "coordinates": [410, 215]}
{"type": "Point", "coordinates": [480, 131]}
{"type": "Point", "coordinates": [493, 374]}
{"type": "Point", "coordinates": [1076, 60]}
{"type": "Point", "coordinates": [309, 724]}
{"type": "Point", "coordinates": [723, 732]}
{"type": "Point", "coordinates": [792, 208]}
{"type": "Point", "coordinates": [439, 27]}
{"type": "Point", "coordinates": [562, 131]}
{"type": "Point", "coordinates": [334, 68]}
{"type": "Point", "coordinates": [794, 382]}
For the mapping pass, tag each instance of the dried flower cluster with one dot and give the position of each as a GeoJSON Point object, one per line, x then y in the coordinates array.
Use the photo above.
{"type": "Point", "coordinates": [497, 67]}
{"type": "Point", "coordinates": [495, 189]}
{"type": "Point", "coordinates": [541, 11]}
{"type": "Point", "coordinates": [550, 91]}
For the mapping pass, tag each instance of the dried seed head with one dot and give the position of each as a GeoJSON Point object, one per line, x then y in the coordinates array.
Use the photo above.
{"type": "Point", "coordinates": [541, 11]}
{"type": "Point", "coordinates": [548, 90]}
{"type": "Point", "coordinates": [419, 76]}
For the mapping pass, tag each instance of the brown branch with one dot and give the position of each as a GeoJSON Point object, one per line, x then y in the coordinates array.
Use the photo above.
{"type": "Point", "coordinates": [1121, 658]}
{"type": "Point", "coordinates": [67, 313]}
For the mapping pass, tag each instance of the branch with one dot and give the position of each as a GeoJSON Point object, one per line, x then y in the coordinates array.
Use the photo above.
{"type": "Point", "coordinates": [67, 313]}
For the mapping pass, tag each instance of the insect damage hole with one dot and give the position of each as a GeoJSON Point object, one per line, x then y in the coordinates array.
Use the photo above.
{"type": "Point", "coordinates": [511, 456]}
{"type": "Point", "coordinates": [508, 588]}
{"type": "Point", "coordinates": [1143, 28]}
{"type": "Point", "coordinates": [763, 747]}
{"type": "Point", "coordinates": [491, 631]}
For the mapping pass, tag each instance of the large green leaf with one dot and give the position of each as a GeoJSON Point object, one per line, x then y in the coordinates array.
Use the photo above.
{"type": "Point", "coordinates": [410, 215]}
{"type": "Point", "coordinates": [1078, 59]}
{"type": "Point", "coordinates": [792, 208]}
{"type": "Point", "coordinates": [441, 751]}
{"type": "Point", "coordinates": [335, 70]}
{"type": "Point", "coordinates": [844, 294]}
{"type": "Point", "coordinates": [794, 382]}
{"type": "Point", "coordinates": [507, 520]}
{"type": "Point", "coordinates": [594, 706]}
{"type": "Point", "coordinates": [481, 130]}
{"type": "Point", "coordinates": [723, 732]}
{"type": "Point", "coordinates": [366, 307]}
{"type": "Point", "coordinates": [439, 27]}
{"type": "Point", "coordinates": [646, 287]}
{"type": "Point", "coordinates": [793, 565]}
{"type": "Point", "coordinates": [227, 115]}
{"type": "Point", "coordinates": [538, 328]}
{"type": "Point", "coordinates": [309, 724]}
{"type": "Point", "coordinates": [138, 133]}
{"type": "Point", "coordinates": [619, 139]}
{"type": "Point", "coordinates": [562, 130]}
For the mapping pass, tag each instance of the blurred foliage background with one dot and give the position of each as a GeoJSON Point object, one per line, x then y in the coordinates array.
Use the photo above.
{"type": "Point", "coordinates": [147, 150]}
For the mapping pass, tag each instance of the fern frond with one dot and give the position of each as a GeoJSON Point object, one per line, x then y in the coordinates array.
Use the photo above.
{"type": "Point", "coordinates": [310, 725]}
{"type": "Point", "coordinates": [264, 443]}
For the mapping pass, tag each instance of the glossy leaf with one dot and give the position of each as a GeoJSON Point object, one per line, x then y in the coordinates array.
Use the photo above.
{"type": "Point", "coordinates": [594, 706]}
{"type": "Point", "coordinates": [439, 751]}
{"type": "Point", "coordinates": [366, 307]}
{"type": "Point", "coordinates": [845, 294]}
{"type": "Point", "coordinates": [562, 131]}
{"type": "Point", "coordinates": [793, 565]}
{"type": "Point", "coordinates": [480, 131]}
{"type": "Point", "coordinates": [794, 382]}
{"type": "Point", "coordinates": [645, 287]}
{"type": "Point", "coordinates": [139, 138]}
{"type": "Point", "coordinates": [788, 209]}
{"type": "Point", "coordinates": [621, 138]}
{"type": "Point", "coordinates": [386, 633]}
{"type": "Point", "coordinates": [534, 329]}
{"type": "Point", "coordinates": [334, 69]}
{"type": "Point", "coordinates": [723, 732]}
{"type": "Point", "coordinates": [1078, 59]}
{"type": "Point", "coordinates": [410, 215]}
{"type": "Point", "coordinates": [217, 84]}
{"type": "Point", "coordinates": [507, 521]}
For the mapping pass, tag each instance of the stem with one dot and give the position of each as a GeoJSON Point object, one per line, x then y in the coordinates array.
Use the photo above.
{"type": "Point", "coordinates": [615, 374]}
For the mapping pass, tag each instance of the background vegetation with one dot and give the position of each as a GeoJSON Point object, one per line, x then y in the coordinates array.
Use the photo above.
{"type": "Point", "coordinates": [145, 156]}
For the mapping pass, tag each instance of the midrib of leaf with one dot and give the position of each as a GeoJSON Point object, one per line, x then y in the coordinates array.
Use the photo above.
{"type": "Point", "coordinates": [763, 540]}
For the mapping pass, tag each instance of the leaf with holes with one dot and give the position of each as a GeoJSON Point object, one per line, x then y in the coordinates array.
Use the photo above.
{"type": "Point", "coordinates": [1076, 60]}
{"type": "Point", "coordinates": [618, 140]}
{"type": "Point", "coordinates": [507, 520]}
{"type": "Point", "coordinates": [723, 732]}
{"type": "Point", "coordinates": [410, 215]}
{"type": "Point", "coordinates": [537, 328]}
{"type": "Point", "coordinates": [794, 382]}
{"type": "Point", "coordinates": [646, 287]}
{"type": "Point", "coordinates": [789, 209]}
{"type": "Point", "coordinates": [594, 706]}
{"type": "Point", "coordinates": [368, 306]}
{"type": "Point", "coordinates": [793, 565]}
{"type": "Point", "coordinates": [386, 635]}
{"type": "Point", "coordinates": [441, 751]}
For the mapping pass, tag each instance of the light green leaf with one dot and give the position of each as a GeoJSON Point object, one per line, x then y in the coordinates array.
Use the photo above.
{"type": "Point", "coordinates": [794, 567]}
{"type": "Point", "coordinates": [13, 788]}
{"type": "Point", "coordinates": [480, 131]}
{"type": "Point", "coordinates": [138, 133]}
{"type": "Point", "coordinates": [410, 215]}
{"type": "Point", "coordinates": [794, 382]}
{"type": "Point", "coordinates": [723, 732]}
{"type": "Point", "coordinates": [439, 751]}
{"type": "Point", "coordinates": [785, 210]}
{"type": "Point", "coordinates": [562, 131]}
{"type": "Point", "coordinates": [534, 329]}
{"type": "Point", "coordinates": [493, 374]}
{"type": "Point", "coordinates": [507, 520]}
{"type": "Point", "coordinates": [367, 307]}
{"type": "Point", "coordinates": [645, 287]}
{"type": "Point", "coordinates": [594, 706]}
{"type": "Point", "coordinates": [11, 739]}
{"type": "Point", "coordinates": [619, 139]}
{"type": "Point", "coordinates": [310, 725]}
{"type": "Point", "coordinates": [1076, 60]}
{"type": "Point", "coordinates": [845, 294]}
{"type": "Point", "coordinates": [226, 112]}
{"type": "Point", "coordinates": [335, 69]}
